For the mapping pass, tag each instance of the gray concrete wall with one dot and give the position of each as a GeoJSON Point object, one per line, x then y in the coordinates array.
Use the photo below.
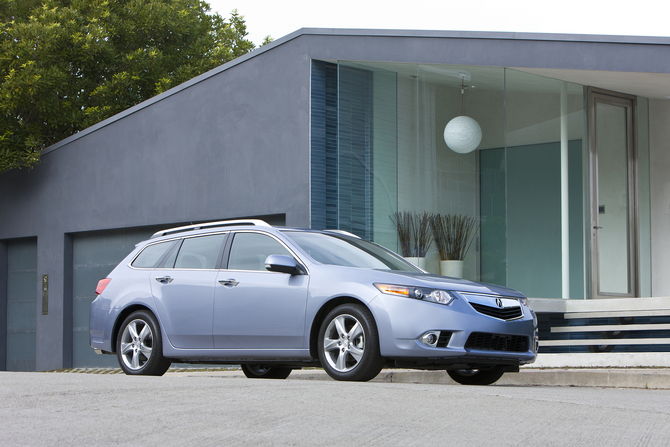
{"type": "Point", "coordinates": [235, 144]}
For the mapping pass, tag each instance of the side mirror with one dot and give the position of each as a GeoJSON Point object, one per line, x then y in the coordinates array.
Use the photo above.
{"type": "Point", "coordinates": [282, 264]}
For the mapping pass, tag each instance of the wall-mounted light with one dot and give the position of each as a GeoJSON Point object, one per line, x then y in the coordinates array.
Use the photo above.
{"type": "Point", "coordinates": [463, 134]}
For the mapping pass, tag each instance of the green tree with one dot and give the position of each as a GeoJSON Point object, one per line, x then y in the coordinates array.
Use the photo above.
{"type": "Point", "coordinates": [68, 64]}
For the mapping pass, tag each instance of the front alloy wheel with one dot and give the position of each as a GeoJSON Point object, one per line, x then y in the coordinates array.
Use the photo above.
{"type": "Point", "coordinates": [349, 344]}
{"type": "Point", "coordinates": [139, 347]}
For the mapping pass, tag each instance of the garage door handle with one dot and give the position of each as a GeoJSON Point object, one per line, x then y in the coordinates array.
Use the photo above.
{"type": "Point", "coordinates": [228, 282]}
{"type": "Point", "coordinates": [164, 280]}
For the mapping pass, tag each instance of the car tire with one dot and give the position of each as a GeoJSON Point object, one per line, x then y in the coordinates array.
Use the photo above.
{"type": "Point", "coordinates": [265, 372]}
{"type": "Point", "coordinates": [139, 347]}
{"type": "Point", "coordinates": [477, 376]}
{"type": "Point", "coordinates": [348, 344]}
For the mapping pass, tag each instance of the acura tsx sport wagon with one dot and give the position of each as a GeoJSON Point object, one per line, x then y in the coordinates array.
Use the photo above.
{"type": "Point", "coordinates": [273, 299]}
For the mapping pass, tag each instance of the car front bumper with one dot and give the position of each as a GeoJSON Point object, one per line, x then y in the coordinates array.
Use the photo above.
{"type": "Point", "coordinates": [467, 336]}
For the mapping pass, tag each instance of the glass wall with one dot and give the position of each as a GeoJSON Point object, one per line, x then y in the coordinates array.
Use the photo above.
{"type": "Point", "coordinates": [434, 179]}
{"type": "Point", "coordinates": [379, 148]}
{"type": "Point", "coordinates": [534, 120]}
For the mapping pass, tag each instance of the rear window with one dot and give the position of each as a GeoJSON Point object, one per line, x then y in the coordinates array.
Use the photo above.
{"type": "Point", "coordinates": [151, 255]}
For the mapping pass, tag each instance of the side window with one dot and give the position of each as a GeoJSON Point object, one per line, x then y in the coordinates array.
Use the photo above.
{"type": "Point", "coordinates": [151, 255]}
{"type": "Point", "coordinates": [199, 252]}
{"type": "Point", "coordinates": [250, 250]}
{"type": "Point", "coordinates": [168, 261]}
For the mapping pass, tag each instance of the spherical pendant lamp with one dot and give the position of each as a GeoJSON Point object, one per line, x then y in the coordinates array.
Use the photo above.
{"type": "Point", "coordinates": [463, 134]}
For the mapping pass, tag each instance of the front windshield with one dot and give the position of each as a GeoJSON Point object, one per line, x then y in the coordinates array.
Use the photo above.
{"type": "Point", "coordinates": [348, 251]}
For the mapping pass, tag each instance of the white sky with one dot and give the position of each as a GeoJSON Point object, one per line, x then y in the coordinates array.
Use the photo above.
{"type": "Point", "coordinates": [278, 18]}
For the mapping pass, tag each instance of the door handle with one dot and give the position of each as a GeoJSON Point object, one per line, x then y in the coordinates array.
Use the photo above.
{"type": "Point", "coordinates": [228, 282]}
{"type": "Point", "coordinates": [164, 279]}
{"type": "Point", "coordinates": [597, 228]}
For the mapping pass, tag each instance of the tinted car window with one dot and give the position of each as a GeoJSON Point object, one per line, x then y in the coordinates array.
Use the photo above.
{"type": "Point", "coordinates": [250, 250]}
{"type": "Point", "coordinates": [199, 252]}
{"type": "Point", "coordinates": [151, 255]}
{"type": "Point", "coordinates": [348, 252]}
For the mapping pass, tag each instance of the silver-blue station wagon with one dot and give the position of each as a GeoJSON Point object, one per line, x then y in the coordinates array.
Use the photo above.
{"type": "Point", "coordinates": [274, 299]}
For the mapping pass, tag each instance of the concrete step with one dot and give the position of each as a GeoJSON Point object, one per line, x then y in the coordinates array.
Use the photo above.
{"type": "Point", "coordinates": [649, 378]}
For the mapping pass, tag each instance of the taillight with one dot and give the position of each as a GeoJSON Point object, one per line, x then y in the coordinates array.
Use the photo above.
{"type": "Point", "coordinates": [101, 285]}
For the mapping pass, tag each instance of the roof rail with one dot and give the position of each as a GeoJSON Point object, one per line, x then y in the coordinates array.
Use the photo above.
{"type": "Point", "coordinates": [346, 233]}
{"type": "Point", "coordinates": [222, 223]}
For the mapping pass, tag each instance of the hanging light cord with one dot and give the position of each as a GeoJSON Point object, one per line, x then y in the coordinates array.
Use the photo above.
{"type": "Point", "coordinates": [463, 96]}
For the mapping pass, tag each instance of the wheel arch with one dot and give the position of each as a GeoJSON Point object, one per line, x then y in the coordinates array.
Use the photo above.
{"type": "Point", "coordinates": [321, 315]}
{"type": "Point", "coordinates": [121, 318]}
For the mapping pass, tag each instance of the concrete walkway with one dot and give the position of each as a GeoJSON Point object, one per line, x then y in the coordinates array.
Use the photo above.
{"type": "Point", "coordinates": [597, 377]}
{"type": "Point", "coordinates": [610, 377]}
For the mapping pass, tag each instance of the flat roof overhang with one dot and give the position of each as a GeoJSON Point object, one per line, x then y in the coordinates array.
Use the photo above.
{"type": "Point", "coordinates": [628, 64]}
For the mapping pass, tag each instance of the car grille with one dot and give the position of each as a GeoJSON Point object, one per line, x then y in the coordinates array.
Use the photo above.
{"type": "Point", "coordinates": [505, 313]}
{"type": "Point", "coordinates": [497, 342]}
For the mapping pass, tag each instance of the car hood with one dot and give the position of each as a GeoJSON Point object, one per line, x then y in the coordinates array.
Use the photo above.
{"type": "Point", "coordinates": [455, 284]}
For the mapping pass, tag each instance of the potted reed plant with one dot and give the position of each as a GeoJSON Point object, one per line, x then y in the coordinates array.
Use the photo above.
{"type": "Point", "coordinates": [415, 235]}
{"type": "Point", "coordinates": [453, 236]}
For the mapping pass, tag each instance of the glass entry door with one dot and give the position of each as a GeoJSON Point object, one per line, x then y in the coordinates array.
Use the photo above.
{"type": "Point", "coordinates": [613, 200]}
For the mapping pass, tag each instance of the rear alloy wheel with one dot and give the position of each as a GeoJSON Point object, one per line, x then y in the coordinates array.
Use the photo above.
{"type": "Point", "coordinates": [349, 344]}
{"type": "Point", "coordinates": [265, 372]}
{"type": "Point", "coordinates": [477, 376]}
{"type": "Point", "coordinates": [139, 347]}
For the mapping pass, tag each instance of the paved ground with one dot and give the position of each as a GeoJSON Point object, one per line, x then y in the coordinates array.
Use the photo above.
{"type": "Point", "coordinates": [206, 408]}
{"type": "Point", "coordinates": [644, 378]}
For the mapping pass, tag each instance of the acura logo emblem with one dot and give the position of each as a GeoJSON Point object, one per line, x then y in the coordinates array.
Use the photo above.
{"type": "Point", "coordinates": [499, 302]}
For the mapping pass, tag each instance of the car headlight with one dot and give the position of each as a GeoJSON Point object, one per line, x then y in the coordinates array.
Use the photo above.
{"type": "Point", "coordinates": [417, 293]}
{"type": "Point", "coordinates": [524, 302]}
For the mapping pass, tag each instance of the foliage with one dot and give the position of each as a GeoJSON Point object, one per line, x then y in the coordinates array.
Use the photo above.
{"type": "Point", "coordinates": [414, 232]}
{"type": "Point", "coordinates": [68, 64]}
{"type": "Point", "coordinates": [453, 235]}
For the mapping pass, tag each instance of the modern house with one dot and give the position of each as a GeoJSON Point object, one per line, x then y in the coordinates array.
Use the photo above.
{"type": "Point", "coordinates": [332, 128]}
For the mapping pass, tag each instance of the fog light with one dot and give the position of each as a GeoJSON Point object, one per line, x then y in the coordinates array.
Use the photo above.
{"type": "Point", "coordinates": [430, 338]}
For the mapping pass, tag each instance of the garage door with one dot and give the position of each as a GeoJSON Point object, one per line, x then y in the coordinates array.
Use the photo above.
{"type": "Point", "coordinates": [94, 256]}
